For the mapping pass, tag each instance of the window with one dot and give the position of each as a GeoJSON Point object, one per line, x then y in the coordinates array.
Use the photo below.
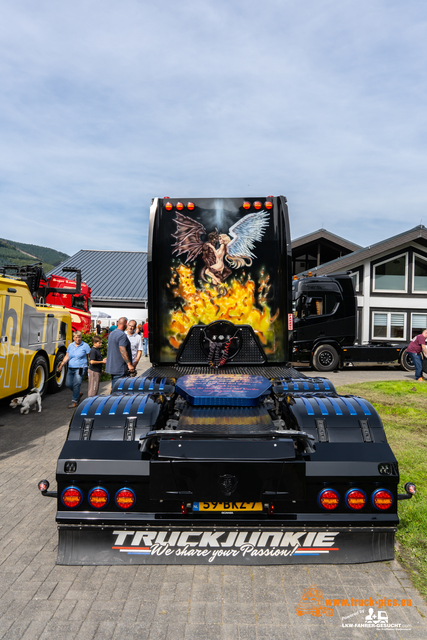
{"type": "Point", "coordinates": [420, 274]}
{"type": "Point", "coordinates": [389, 326]}
{"type": "Point", "coordinates": [323, 304]}
{"type": "Point", "coordinates": [391, 274]}
{"type": "Point", "coordinates": [418, 323]}
{"type": "Point", "coordinates": [79, 302]}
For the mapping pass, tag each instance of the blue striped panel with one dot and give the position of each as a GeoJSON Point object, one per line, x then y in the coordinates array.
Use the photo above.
{"type": "Point", "coordinates": [284, 385]}
{"type": "Point", "coordinates": [122, 384]}
{"type": "Point", "coordinates": [141, 384]}
{"type": "Point", "coordinates": [114, 406]}
{"type": "Point", "coordinates": [142, 404]}
{"type": "Point", "coordinates": [336, 406]}
{"type": "Point", "coordinates": [322, 406]}
{"type": "Point", "coordinates": [305, 385]}
{"type": "Point", "coordinates": [308, 406]}
{"type": "Point", "coordinates": [316, 386]}
{"type": "Point", "coordinates": [296, 386]}
{"type": "Point", "coordinates": [327, 387]}
{"type": "Point", "coordinates": [349, 406]}
{"type": "Point", "coordinates": [363, 405]}
{"type": "Point", "coordinates": [101, 405]}
{"type": "Point", "coordinates": [131, 384]}
{"type": "Point", "coordinates": [88, 404]}
{"type": "Point", "coordinates": [153, 382]}
{"type": "Point", "coordinates": [128, 405]}
{"type": "Point", "coordinates": [162, 384]}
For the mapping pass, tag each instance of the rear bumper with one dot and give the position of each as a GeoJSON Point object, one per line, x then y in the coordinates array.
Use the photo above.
{"type": "Point", "coordinates": [222, 545]}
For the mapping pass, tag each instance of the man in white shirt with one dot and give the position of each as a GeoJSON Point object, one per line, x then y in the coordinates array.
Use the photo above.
{"type": "Point", "coordinates": [135, 342]}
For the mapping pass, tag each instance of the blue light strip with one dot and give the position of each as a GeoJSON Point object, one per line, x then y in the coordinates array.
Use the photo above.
{"type": "Point", "coordinates": [363, 405]}
{"type": "Point", "coordinates": [322, 406]}
{"type": "Point", "coordinates": [326, 385]}
{"type": "Point", "coordinates": [128, 405]}
{"type": "Point", "coordinates": [101, 405]}
{"type": "Point", "coordinates": [305, 385]}
{"type": "Point", "coordinates": [141, 384]}
{"type": "Point", "coordinates": [316, 386]}
{"type": "Point", "coordinates": [153, 382]}
{"type": "Point", "coordinates": [308, 406]}
{"type": "Point", "coordinates": [162, 384]}
{"type": "Point", "coordinates": [114, 406]}
{"type": "Point", "coordinates": [349, 406]}
{"type": "Point", "coordinates": [131, 384]}
{"type": "Point", "coordinates": [284, 385]}
{"type": "Point", "coordinates": [142, 404]}
{"type": "Point", "coordinates": [89, 403]}
{"type": "Point", "coordinates": [122, 384]}
{"type": "Point", "coordinates": [336, 406]}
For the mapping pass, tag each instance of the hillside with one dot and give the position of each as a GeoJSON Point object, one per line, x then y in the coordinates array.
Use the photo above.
{"type": "Point", "coordinates": [19, 253]}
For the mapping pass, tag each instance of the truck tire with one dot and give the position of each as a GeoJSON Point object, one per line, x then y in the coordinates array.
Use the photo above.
{"type": "Point", "coordinates": [406, 362]}
{"type": "Point", "coordinates": [38, 375]}
{"type": "Point", "coordinates": [57, 383]}
{"type": "Point", "coordinates": [325, 358]}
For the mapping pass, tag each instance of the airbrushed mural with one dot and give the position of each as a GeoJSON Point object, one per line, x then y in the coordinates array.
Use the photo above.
{"type": "Point", "coordinates": [220, 268]}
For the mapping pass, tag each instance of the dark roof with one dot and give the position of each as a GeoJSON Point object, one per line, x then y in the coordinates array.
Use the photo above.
{"type": "Point", "coordinates": [417, 234]}
{"type": "Point", "coordinates": [323, 234]}
{"type": "Point", "coordinates": [114, 276]}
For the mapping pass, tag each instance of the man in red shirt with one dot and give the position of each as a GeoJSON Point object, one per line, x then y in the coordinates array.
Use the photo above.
{"type": "Point", "coordinates": [416, 347]}
{"type": "Point", "coordinates": [145, 337]}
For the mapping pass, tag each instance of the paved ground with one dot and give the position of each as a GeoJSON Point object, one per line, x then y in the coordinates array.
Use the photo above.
{"type": "Point", "coordinates": [39, 600]}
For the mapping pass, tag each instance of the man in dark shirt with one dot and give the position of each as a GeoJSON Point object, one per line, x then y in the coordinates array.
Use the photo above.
{"type": "Point", "coordinates": [416, 348]}
{"type": "Point", "coordinates": [95, 367]}
{"type": "Point", "coordinates": [119, 354]}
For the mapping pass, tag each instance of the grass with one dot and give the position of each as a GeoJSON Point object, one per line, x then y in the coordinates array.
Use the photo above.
{"type": "Point", "coordinates": [402, 406]}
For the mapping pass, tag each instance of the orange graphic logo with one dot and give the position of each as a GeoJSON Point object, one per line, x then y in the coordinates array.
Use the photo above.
{"type": "Point", "coordinates": [313, 603]}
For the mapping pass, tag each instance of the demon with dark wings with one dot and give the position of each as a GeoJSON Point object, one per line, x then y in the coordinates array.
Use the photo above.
{"type": "Point", "coordinates": [219, 251]}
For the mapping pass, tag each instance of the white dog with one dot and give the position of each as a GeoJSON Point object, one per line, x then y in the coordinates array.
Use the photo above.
{"type": "Point", "coordinates": [31, 401]}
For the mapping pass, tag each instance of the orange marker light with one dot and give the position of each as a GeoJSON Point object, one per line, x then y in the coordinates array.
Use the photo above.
{"type": "Point", "coordinates": [257, 205]}
{"type": "Point", "coordinates": [190, 206]}
{"type": "Point", "coordinates": [246, 205]}
{"type": "Point", "coordinates": [268, 204]}
{"type": "Point", "coordinates": [71, 497]}
{"type": "Point", "coordinates": [125, 498]}
{"type": "Point", "coordinates": [382, 499]}
{"type": "Point", "coordinates": [179, 206]}
{"type": "Point", "coordinates": [329, 499]}
{"type": "Point", "coordinates": [98, 498]}
{"type": "Point", "coordinates": [169, 206]}
{"type": "Point", "coordinates": [355, 499]}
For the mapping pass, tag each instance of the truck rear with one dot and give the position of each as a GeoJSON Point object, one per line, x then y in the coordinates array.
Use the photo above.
{"type": "Point", "coordinates": [221, 453]}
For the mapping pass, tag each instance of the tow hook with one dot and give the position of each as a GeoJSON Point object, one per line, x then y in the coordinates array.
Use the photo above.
{"type": "Point", "coordinates": [43, 486]}
{"type": "Point", "coordinates": [410, 489]}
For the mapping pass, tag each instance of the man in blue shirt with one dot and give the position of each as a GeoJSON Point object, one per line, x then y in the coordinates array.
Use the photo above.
{"type": "Point", "coordinates": [119, 354]}
{"type": "Point", "coordinates": [76, 355]}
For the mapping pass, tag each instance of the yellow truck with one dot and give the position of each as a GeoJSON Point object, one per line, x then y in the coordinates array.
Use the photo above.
{"type": "Point", "coordinates": [33, 340]}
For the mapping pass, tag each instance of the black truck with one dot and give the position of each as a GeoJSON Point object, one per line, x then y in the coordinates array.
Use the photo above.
{"type": "Point", "coordinates": [221, 452]}
{"type": "Point", "coordinates": [325, 327]}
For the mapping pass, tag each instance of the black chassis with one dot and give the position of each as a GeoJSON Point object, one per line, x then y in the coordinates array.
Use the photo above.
{"type": "Point", "coordinates": [300, 440]}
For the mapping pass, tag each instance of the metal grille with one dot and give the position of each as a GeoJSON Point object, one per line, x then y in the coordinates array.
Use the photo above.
{"type": "Point", "coordinates": [176, 371]}
{"type": "Point", "coordinates": [243, 420]}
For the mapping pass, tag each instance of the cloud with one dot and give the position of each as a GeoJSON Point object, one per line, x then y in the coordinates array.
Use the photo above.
{"type": "Point", "coordinates": [107, 105]}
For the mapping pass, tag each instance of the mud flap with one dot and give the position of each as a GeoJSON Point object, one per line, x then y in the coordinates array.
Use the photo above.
{"type": "Point", "coordinates": [223, 546]}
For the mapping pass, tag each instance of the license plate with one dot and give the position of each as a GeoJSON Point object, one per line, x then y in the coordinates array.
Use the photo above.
{"type": "Point", "coordinates": [227, 506]}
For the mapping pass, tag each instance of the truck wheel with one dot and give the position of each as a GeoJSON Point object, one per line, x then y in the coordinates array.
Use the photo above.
{"type": "Point", "coordinates": [57, 383]}
{"type": "Point", "coordinates": [325, 358]}
{"type": "Point", "coordinates": [406, 362]}
{"type": "Point", "coordinates": [38, 375]}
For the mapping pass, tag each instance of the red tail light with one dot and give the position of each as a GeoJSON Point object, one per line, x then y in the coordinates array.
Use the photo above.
{"type": "Point", "coordinates": [246, 205]}
{"type": "Point", "coordinates": [382, 499]}
{"type": "Point", "coordinates": [183, 508]}
{"type": "Point", "coordinates": [169, 206]}
{"type": "Point", "coordinates": [179, 206]}
{"type": "Point", "coordinates": [355, 499]}
{"type": "Point", "coordinates": [125, 498]}
{"type": "Point", "coordinates": [329, 499]}
{"type": "Point", "coordinates": [71, 497]}
{"type": "Point", "coordinates": [257, 205]}
{"type": "Point", "coordinates": [271, 508]}
{"type": "Point", "coordinates": [98, 498]}
{"type": "Point", "coordinates": [268, 204]}
{"type": "Point", "coordinates": [190, 206]}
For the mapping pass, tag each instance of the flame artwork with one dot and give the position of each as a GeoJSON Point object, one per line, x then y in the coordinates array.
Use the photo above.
{"type": "Point", "coordinates": [208, 289]}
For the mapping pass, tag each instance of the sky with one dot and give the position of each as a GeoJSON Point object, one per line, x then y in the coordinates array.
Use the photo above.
{"type": "Point", "coordinates": [106, 105]}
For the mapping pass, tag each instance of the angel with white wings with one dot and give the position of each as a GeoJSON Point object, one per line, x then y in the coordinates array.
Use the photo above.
{"type": "Point", "coordinates": [220, 249]}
